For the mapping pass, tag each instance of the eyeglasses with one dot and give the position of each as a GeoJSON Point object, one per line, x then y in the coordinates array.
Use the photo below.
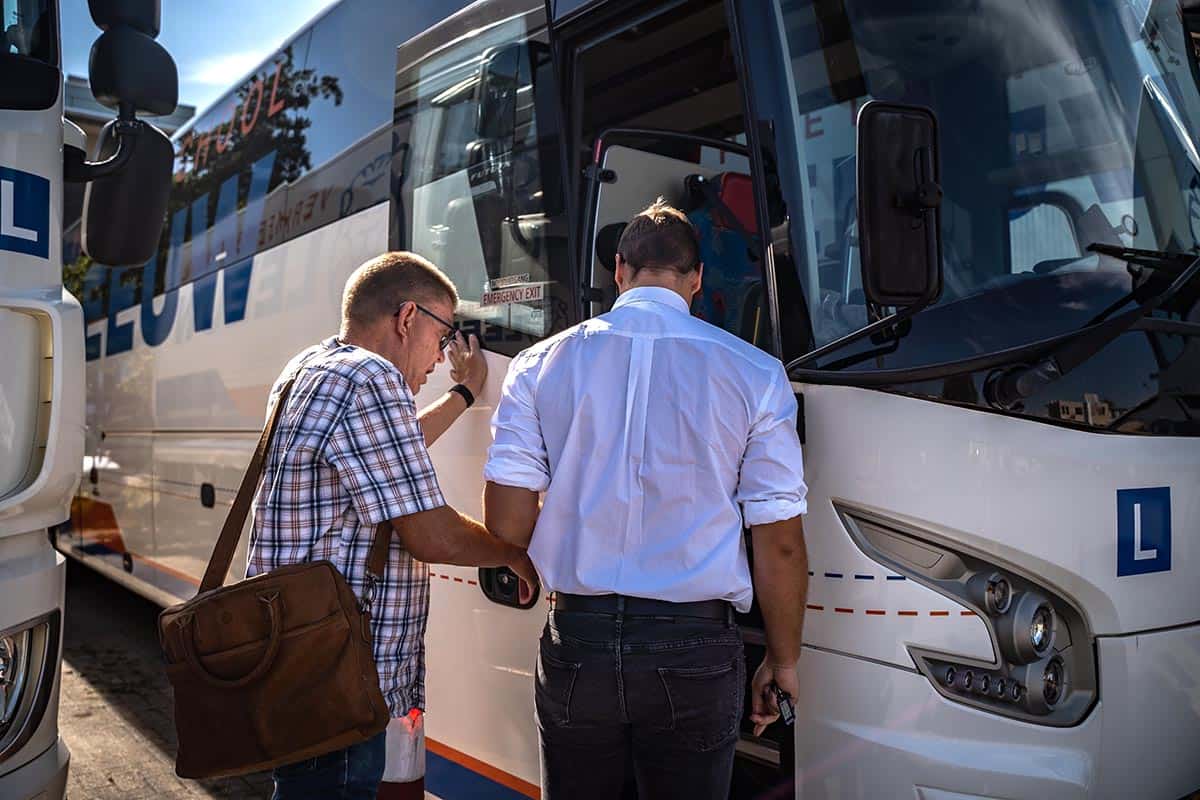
{"type": "Point", "coordinates": [447, 338]}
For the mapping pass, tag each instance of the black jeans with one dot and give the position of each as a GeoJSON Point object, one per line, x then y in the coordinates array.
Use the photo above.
{"type": "Point", "coordinates": [350, 774]}
{"type": "Point", "coordinates": [662, 695]}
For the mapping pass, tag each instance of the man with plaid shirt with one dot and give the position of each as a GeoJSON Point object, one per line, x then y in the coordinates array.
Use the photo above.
{"type": "Point", "coordinates": [349, 453]}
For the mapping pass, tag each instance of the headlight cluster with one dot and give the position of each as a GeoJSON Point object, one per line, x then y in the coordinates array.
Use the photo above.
{"type": "Point", "coordinates": [14, 671]}
{"type": "Point", "coordinates": [1044, 669]}
{"type": "Point", "coordinates": [28, 660]}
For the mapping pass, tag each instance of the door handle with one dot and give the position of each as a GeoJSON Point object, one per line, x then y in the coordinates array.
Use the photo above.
{"type": "Point", "coordinates": [501, 585]}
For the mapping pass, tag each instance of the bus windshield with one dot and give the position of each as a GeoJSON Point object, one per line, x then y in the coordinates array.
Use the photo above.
{"type": "Point", "coordinates": [1062, 125]}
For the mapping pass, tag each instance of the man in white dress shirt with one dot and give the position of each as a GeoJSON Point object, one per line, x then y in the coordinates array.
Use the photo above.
{"type": "Point", "coordinates": [655, 437]}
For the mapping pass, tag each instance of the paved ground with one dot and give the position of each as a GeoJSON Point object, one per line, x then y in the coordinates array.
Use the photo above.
{"type": "Point", "coordinates": [116, 712]}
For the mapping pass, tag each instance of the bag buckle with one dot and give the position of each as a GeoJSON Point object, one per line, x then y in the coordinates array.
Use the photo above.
{"type": "Point", "coordinates": [368, 598]}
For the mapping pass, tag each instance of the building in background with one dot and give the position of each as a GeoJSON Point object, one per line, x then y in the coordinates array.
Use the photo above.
{"type": "Point", "coordinates": [81, 108]}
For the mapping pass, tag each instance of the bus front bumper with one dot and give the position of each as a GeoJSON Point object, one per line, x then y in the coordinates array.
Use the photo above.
{"type": "Point", "coordinates": [43, 778]}
{"type": "Point", "coordinates": [866, 729]}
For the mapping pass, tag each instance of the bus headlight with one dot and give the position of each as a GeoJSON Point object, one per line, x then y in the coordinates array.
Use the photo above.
{"type": "Point", "coordinates": [1043, 668]}
{"type": "Point", "coordinates": [1041, 629]}
{"type": "Point", "coordinates": [1054, 682]}
{"type": "Point", "coordinates": [997, 594]}
{"type": "Point", "coordinates": [28, 669]}
{"type": "Point", "coordinates": [1026, 633]}
{"type": "Point", "coordinates": [14, 671]}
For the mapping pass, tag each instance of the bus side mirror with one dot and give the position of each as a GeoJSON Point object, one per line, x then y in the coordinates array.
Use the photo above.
{"type": "Point", "coordinates": [899, 205]}
{"type": "Point", "coordinates": [123, 213]}
{"type": "Point", "coordinates": [126, 197]}
{"type": "Point", "coordinates": [499, 80]}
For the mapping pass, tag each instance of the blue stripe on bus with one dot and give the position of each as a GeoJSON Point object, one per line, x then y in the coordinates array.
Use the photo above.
{"type": "Point", "coordinates": [451, 781]}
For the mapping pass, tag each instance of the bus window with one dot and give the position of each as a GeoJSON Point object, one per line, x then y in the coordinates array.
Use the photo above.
{"type": "Point", "coordinates": [469, 143]}
{"type": "Point", "coordinates": [352, 45]}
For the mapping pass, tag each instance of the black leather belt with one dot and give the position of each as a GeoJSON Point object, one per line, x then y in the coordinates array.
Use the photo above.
{"type": "Point", "coordinates": [719, 610]}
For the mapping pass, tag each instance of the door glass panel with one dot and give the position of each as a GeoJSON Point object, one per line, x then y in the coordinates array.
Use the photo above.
{"type": "Point", "coordinates": [471, 145]}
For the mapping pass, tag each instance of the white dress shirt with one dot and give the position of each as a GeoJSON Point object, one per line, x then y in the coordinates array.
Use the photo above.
{"type": "Point", "coordinates": [647, 429]}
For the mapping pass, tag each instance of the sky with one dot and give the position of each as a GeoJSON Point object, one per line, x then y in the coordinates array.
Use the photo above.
{"type": "Point", "coordinates": [214, 42]}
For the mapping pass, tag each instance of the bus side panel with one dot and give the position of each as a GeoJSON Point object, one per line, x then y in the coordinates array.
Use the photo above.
{"type": "Point", "coordinates": [480, 655]}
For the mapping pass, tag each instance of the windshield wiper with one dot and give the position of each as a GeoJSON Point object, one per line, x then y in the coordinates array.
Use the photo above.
{"type": "Point", "coordinates": [1160, 260]}
{"type": "Point", "coordinates": [1006, 388]}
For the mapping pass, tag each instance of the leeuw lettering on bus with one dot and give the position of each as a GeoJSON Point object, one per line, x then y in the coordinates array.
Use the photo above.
{"type": "Point", "coordinates": [227, 247]}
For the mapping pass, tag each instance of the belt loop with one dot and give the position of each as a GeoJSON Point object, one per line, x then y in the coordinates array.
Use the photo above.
{"type": "Point", "coordinates": [620, 605]}
{"type": "Point", "coordinates": [729, 619]}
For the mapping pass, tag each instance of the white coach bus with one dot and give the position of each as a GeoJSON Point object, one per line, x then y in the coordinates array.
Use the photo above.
{"type": "Point", "coordinates": [996, 357]}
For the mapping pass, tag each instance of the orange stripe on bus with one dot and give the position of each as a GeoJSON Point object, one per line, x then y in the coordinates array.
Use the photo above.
{"type": "Point", "coordinates": [939, 613]}
{"type": "Point", "coordinates": [483, 768]}
{"type": "Point", "coordinates": [876, 612]}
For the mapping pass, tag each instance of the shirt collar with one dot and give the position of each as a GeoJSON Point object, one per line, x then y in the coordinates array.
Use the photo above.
{"type": "Point", "coordinates": [652, 294]}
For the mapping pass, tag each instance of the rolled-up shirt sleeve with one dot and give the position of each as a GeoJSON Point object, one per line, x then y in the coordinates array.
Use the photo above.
{"type": "Point", "coordinates": [517, 456]}
{"type": "Point", "coordinates": [771, 484]}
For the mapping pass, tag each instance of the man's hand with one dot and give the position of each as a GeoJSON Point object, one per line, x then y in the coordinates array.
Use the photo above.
{"type": "Point", "coordinates": [521, 565]}
{"type": "Point", "coordinates": [764, 707]}
{"type": "Point", "coordinates": [467, 364]}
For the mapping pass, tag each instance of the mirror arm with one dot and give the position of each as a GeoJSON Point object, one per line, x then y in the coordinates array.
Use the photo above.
{"type": "Point", "coordinates": [77, 169]}
{"type": "Point", "coordinates": [876, 326]}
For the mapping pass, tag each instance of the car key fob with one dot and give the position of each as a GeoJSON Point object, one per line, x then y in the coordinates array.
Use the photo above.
{"type": "Point", "coordinates": [786, 712]}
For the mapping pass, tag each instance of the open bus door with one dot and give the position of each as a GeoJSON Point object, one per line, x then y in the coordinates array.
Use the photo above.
{"type": "Point", "coordinates": [656, 107]}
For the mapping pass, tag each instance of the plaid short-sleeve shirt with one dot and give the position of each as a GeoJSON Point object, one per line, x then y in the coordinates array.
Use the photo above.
{"type": "Point", "coordinates": [348, 453]}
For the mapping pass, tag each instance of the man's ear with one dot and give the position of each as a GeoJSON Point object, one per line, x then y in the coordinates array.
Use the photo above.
{"type": "Point", "coordinates": [404, 319]}
{"type": "Point", "coordinates": [697, 280]}
{"type": "Point", "coordinates": [621, 273]}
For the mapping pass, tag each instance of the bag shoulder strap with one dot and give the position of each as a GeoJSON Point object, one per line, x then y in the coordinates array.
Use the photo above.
{"type": "Point", "coordinates": [231, 531]}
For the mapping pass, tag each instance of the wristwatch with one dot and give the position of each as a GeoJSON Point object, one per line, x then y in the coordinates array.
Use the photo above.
{"type": "Point", "coordinates": [464, 392]}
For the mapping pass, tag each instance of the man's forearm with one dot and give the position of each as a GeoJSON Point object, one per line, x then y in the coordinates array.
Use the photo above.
{"type": "Point", "coordinates": [444, 536]}
{"type": "Point", "coordinates": [439, 415]}
{"type": "Point", "coordinates": [510, 512]}
{"type": "Point", "coordinates": [781, 586]}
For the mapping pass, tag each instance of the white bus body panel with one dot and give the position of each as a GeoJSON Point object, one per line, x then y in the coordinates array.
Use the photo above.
{"type": "Point", "coordinates": [41, 427]}
{"type": "Point", "coordinates": [160, 443]}
{"type": "Point", "coordinates": [1033, 495]}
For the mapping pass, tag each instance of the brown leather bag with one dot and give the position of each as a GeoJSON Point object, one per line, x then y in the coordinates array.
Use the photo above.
{"type": "Point", "coordinates": [274, 669]}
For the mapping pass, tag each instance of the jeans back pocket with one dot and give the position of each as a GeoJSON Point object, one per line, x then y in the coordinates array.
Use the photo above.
{"type": "Point", "coordinates": [706, 702]}
{"type": "Point", "coordinates": [553, 688]}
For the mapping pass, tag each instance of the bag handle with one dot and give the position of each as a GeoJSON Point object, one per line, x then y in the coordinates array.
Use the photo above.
{"type": "Point", "coordinates": [231, 531]}
{"type": "Point", "coordinates": [187, 638]}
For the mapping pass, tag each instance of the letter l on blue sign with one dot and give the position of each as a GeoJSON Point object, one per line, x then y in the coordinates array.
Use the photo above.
{"type": "Point", "coordinates": [1143, 530]}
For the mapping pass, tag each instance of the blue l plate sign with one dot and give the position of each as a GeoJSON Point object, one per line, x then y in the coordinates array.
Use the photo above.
{"type": "Point", "coordinates": [1143, 530]}
{"type": "Point", "coordinates": [24, 213]}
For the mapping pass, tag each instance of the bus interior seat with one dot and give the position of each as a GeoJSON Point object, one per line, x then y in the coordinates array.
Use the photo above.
{"type": "Point", "coordinates": [721, 208]}
{"type": "Point", "coordinates": [606, 244]}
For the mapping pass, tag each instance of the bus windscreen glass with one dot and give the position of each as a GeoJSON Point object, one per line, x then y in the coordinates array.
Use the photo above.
{"type": "Point", "coordinates": [1061, 126]}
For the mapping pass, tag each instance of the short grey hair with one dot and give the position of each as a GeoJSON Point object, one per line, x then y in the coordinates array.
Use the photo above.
{"type": "Point", "coordinates": [378, 288]}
